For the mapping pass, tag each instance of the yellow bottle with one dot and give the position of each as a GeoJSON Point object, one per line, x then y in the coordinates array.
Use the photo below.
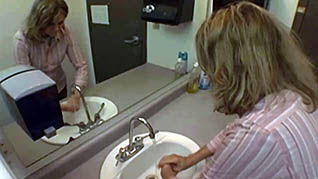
{"type": "Point", "coordinates": [194, 80]}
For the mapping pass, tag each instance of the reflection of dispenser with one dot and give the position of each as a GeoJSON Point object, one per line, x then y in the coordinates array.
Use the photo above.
{"type": "Point", "coordinates": [32, 100]}
{"type": "Point", "coordinates": [171, 12]}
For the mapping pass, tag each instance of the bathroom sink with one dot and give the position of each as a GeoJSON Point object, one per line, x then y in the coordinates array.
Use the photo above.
{"type": "Point", "coordinates": [94, 104]}
{"type": "Point", "coordinates": [144, 164]}
{"type": "Point", "coordinates": [65, 133]}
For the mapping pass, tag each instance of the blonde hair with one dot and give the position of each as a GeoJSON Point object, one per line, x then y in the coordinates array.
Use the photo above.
{"type": "Point", "coordinates": [43, 13]}
{"type": "Point", "coordinates": [249, 54]}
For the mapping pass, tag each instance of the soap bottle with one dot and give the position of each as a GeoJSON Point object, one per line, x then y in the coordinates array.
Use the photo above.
{"type": "Point", "coordinates": [193, 84]}
{"type": "Point", "coordinates": [182, 64]}
{"type": "Point", "coordinates": [205, 82]}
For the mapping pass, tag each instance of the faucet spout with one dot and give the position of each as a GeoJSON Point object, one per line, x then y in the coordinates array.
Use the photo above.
{"type": "Point", "coordinates": [79, 90]}
{"type": "Point", "coordinates": [143, 121]}
{"type": "Point", "coordinates": [134, 146]}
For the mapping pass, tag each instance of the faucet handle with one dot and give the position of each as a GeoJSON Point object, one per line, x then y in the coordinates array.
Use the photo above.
{"type": "Point", "coordinates": [97, 115]}
{"type": "Point", "coordinates": [121, 154]}
{"type": "Point", "coordinates": [141, 138]}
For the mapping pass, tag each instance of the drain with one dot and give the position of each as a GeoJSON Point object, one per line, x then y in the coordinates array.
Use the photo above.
{"type": "Point", "coordinates": [152, 177]}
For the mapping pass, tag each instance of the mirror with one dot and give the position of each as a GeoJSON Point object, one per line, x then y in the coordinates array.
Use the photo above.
{"type": "Point", "coordinates": [124, 89]}
{"type": "Point", "coordinates": [163, 44]}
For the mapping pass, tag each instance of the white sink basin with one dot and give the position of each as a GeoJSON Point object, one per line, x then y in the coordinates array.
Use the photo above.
{"type": "Point", "coordinates": [94, 104]}
{"type": "Point", "coordinates": [65, 133]}
{"type": "Point", "coordinates": [144, 164]}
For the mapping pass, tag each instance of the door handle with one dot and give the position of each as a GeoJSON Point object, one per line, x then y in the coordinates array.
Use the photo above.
{"type": "Point", "coordinates": [134, 40]}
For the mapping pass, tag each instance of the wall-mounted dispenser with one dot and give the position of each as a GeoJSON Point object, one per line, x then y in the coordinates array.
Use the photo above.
{"type": "Point", "coordinates": [32, 100]}
{"type": "Point", "coordinates": [171, 12]}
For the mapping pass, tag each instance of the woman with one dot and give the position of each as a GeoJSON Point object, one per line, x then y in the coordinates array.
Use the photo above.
{"type": "Point", "coordinates": [43, 44]}
{"type": "Point", "coordinates": [258, 72]}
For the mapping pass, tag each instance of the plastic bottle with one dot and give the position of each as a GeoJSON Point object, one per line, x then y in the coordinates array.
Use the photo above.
{"type": "Point", "coordinates": [182, 64]}
{"type": "Point", "coordinates": [204, 81]}
{"type": "Point", "coordinates": [193, 84]}
{"type": "Point", "coordinates": [184, 56]}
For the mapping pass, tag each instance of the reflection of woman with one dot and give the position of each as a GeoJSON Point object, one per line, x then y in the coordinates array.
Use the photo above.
{"type": "Point", "coordinates": [259, 73]}
{"type": "Point", "coordinates": [44, 42]}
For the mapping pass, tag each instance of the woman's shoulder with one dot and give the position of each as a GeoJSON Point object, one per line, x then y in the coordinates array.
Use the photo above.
{"type": "Point", "coordinates": [20, 35]}
{"type": "Point", "coordinates": [20, 39]}
{"type": "Point", "coordinates": [274, 107]}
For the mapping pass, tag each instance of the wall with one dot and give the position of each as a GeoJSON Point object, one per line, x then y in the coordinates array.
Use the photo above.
{"type": "Point", "coordinates": [284, 10]}
{"type": "Point", "coordinates": [163, 44]}
{"type": "Point", "coordinates": [12, 14]}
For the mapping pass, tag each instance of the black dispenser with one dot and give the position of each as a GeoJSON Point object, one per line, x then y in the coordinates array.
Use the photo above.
{"type": "Point", "coordinates": [31, 97]}
{"type": "Point", "coordinates": [171, 12]}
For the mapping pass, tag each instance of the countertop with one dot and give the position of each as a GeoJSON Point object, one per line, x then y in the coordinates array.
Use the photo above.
{"type": "Point", "coordinates": [190, 114]}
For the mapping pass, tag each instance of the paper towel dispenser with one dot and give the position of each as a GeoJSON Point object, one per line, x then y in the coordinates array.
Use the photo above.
{"type": "Point", "coordinates": [171, 12]}
{"type": "Point", "coordinates": [32, 100]}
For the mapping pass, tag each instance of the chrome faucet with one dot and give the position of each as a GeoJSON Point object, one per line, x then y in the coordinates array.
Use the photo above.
{"type": "Point", "coordinates": [134, 147]}
{"type": "Point", "coordinates": [84, 128]}
{"type": "Point", "coordinates": [78, 89]}
{"type": "Point", "coordinates": [131, 128]}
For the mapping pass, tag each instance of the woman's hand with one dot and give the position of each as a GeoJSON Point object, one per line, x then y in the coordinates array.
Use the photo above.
{"type": "Point", "coordinates": [177, 162]}
{"type": "Point", "coordinates": [72, 104]}
{"type": "Point", "coordinates": [167, 172]}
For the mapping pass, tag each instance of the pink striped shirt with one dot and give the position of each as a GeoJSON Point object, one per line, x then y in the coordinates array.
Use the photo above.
{"type": "Point", "coordinates": [278, 139]}
{"type": "Point", "coordinates": [49, 55]}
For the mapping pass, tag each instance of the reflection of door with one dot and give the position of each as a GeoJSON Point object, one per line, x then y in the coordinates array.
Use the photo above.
{"type": "Point", "coordinates": [121, 45]}
{"type": "Point", "coordinates": [306, 26]}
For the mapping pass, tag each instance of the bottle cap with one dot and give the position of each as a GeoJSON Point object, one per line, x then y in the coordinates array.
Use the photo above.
{"type": "Point", "coordinates": [183, 55]}
{"type": "Point", "coordinates": [180, 54]}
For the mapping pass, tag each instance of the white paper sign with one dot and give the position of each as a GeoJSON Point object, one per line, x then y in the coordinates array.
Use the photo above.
{"type": "Point", "coordinates": [100, 14]}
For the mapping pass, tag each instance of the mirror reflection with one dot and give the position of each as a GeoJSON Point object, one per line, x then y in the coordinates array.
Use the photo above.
{"type": "Point", "coordinates": [103, 59]}
{"type": "Point", "coordinates": [101, 64]}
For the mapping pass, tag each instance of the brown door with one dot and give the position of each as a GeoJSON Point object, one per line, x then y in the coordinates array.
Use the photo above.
{"type": "Point", "coordinates": [306, 26]}
{"type": "Point", "coordinates": [120, 45]}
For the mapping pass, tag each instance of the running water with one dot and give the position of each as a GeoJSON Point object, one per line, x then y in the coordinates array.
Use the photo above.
{"type": "Point", "coordinates": [154, 150]}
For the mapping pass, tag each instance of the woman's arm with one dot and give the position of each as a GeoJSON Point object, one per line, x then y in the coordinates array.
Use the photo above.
{"type": "Point", "coordinates": [75, 56]}
{"type": "Point", "coordinates": [179, 163]}
{"type": "Point", "coordinates": [81, 76]}
{"type": "Point", "coordinates": [21, 50]}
